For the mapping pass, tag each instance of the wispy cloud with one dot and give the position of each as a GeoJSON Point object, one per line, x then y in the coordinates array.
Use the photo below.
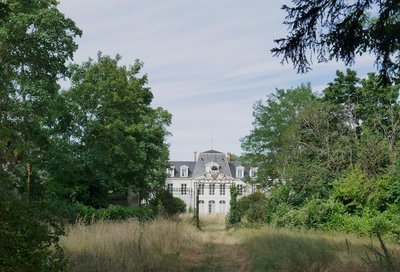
{"type": "Point", "coordinates": [207, 61]}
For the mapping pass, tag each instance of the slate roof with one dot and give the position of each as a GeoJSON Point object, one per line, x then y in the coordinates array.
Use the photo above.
{"type": "Point", "coordinates": [197, 168]}
{"type": "Point", "coordinates": [211, 156]}
{"type": "Point", "coordinates": [233, 166]}
{"type": "Point", "coordinates": [213, 152]}
{"type": "Point", "coordinates": [178, 164]}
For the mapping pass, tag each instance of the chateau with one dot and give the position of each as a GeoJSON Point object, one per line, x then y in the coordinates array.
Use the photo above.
{"type": "Point", "coordinates": [213, 173]}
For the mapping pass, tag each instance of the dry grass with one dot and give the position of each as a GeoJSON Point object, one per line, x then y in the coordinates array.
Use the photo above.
{"type": "Point", "coordinates": [166, 245]}
{"type": "Point", "coordinates": [160, 245]}
{"type": "Point", "coordinates": [283, 250]}
{"type": "Point", "coordinates": [127, 246]}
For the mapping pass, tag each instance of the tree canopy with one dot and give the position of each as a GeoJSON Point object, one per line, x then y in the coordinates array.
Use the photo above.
{"type": "Point", "coordinates": [115, 139]}
{"type": "Point", "coordinates": [273, 121]}
{"type": "Point", "coordinates": [36, 40]}
{"type": "Point", "coordinates": [59, 147]}
{"type": "Point", "coordinates": [340, 30]}
{"type": "Point", "coordinates": [331, 160]}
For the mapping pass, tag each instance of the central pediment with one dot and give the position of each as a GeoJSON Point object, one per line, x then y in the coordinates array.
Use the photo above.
{"type": "Point", "coordinates": [210, 177]}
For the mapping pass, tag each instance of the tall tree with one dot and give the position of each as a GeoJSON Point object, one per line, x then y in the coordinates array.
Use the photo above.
{"type": "Point", "coordinates": [36, 40]}
{"type": "Point", "coordinates": [117, 139]}
{"type": "Point", "coordinates": [370, 107]}
{"type": "Point", "coordinates": [273, 122]}
{"type": "Point", "coordinates": [321, 146]}
{"type": "Point", "coordinates": [331, 29]}
{"type": "Point", "coordinates": [380, 110]}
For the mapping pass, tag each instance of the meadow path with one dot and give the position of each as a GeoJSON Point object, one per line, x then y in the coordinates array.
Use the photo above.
{"type": "Point", "coordinates": [218, 251]}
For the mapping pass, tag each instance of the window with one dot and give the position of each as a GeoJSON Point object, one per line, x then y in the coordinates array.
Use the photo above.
{"type": "Point", "coordinates": [171, 171]}
{"type": "Point", "coordinates": [222, 189]}
{"type": "Point", "coordinates": [201, 206]}
{"type": "Point", "coordinates": [240, 189]}
{"type": "Point", "coordinates": [184, 171]}
{"type": "Point", "coordinates": [212, 166]}
{"type": "Point", "coordinates": [201, 189]}
{"type": "Point", "coordinates": [183, 189]}
{"type": "Point", "coordinates": [211, 206]}
{"type": "Point", "coordinates": [239, 172]}
{"type": "Point", "coordinates": [170, 188]}
{"type": "Point", "coordinates": [253, 172]}
{"type": "Point", "coordinates": [222, 206]}
{"type": "Point", "coordinates": [253, 188]}
{"type": "Point", "coordinates": [212, 189]}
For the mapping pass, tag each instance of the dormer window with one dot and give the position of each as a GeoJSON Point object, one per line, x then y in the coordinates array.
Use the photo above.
{"type": "Point", "coordinates": [253, 172]}
{"type": "Point", "coordinates": [212, 167]}
{"type": "Point", "coordinates": [184, 171]}
{"type": "Point", "coordinates": [239, 172]}
{"type": "Point", "coordinates": [171, 171]}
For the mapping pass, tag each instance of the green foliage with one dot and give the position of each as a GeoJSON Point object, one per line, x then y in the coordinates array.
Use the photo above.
{"type": "Point", "coordinates": [387, 191]}
{"type": "Point", "coordinates": [253, 207]}
{"type": "Point", "coordinates": [352, 191]}
{"type": "Point", "coordinates": [115, 140]}
{"type": "Point", "coordinates": [233, 218]}
{"type": "Point", "coordinates": [273, 123]}
{"type": "Point", "coordinates": [112, 212]}
{"type": "Point", "coordinates": [36, 40]}
{"type": "Point", "coordinates": [332, 30]}
{"type": "Point", "coordinates": [315, 214]}
{"type": "Point", "coordinates": [320, 150]}
{"type": "Point", "coordinates": [29, 236]}
{"type": "Point", "coordinates": [339, 169]}
{"type": "Point", "coordinates": [164, 204]}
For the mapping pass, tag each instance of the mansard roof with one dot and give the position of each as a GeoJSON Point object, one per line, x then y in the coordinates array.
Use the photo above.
{"type": "Point", "coordinates": [211, 156]}
{"type": "Point", "coordinates": [197, 168]}
{"type": "Point", "coordinates": [233, 166]}
{"type": "Point", "coordinates": [212, 151]}
{"type": "Point", "coordinates": [178, 164]}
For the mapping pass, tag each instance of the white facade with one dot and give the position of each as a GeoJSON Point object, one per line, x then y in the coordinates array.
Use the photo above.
{"type": "Point", "coordinates": [213, 174]}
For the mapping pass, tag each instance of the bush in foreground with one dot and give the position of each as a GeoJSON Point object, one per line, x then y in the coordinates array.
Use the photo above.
{"type": "Point", "coordinates": [29, 235]}
{"type": "Point", "coordinates": [164, 204]}
{"type": "Point", "coordinates": [113, 213]}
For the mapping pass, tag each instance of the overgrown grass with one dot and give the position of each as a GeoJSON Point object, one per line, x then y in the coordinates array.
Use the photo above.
{"type": "Point", "coordinates": [176, 245]}
{"type": "Point", "coordinates": [127, 246]}
{"type": "Point", "coordinates": [283, 250]}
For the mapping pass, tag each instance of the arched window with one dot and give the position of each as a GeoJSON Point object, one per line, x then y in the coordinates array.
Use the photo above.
{"type": "Point", "coordinates": [211, 206]}
{"type": "Point", "coordinates": [222, 206]}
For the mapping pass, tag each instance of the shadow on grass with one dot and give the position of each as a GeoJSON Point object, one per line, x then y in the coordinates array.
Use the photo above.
{"type": "Point", "coordinates": [292, 252]}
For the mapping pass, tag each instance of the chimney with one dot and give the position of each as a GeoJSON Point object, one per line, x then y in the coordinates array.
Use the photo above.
{"type": "Point", "coordinates": [195, 156]}
{"type": "Point", "coordinates": [228, 156]}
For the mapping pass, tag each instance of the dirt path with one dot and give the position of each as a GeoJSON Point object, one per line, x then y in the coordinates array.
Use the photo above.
{"type": "Point", "coordinates": [217, 250]}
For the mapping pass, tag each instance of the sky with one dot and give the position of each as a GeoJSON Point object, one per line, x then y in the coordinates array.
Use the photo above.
{"type": "Point", "coordinates": [207, 61]}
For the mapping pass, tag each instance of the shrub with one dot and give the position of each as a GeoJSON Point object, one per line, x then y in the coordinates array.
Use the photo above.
{"type": "Point", "coordinates": [319, 212]}
{"type": "Point", "coordinates": [277, 217]}
{"type": "Point", "coordinates": [164, 204]}
{"type": "Point", "coordinates": [253, 207]}
{"type": "Point", "coordinates": [113, 213]}
{"type": "Point", "coordinates": [233, 217]}
{"type": "Point", "coordinates": [352, 190]}
{"type": "Point", "coordinates": [29, 235]}
{"type": "Point", "coordinates": [315, 214]}
{"type": "Point", "coordinates": [387, 191]}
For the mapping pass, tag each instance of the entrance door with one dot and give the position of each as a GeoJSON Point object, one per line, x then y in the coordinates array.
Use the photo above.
{"type": "Point", "coordinates": [222, 206]}
{"type": "Point", "coordinates": [211, 206]}
{"type": "Point", "coordinates": [201, 207]}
